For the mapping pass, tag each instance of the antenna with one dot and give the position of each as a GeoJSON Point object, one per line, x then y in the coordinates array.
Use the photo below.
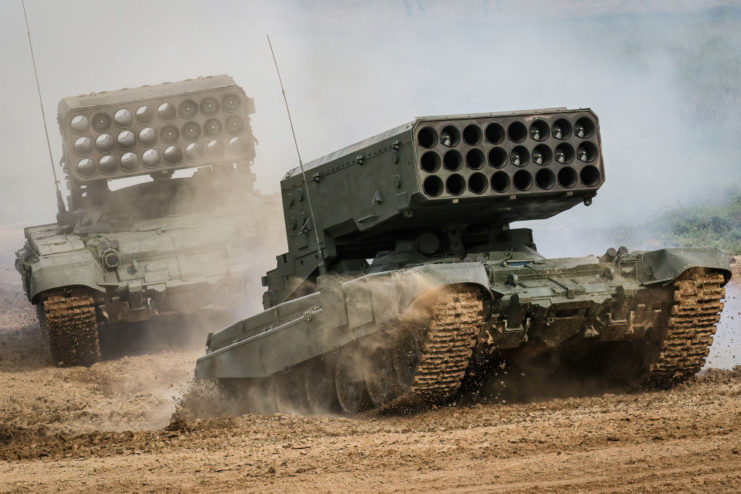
{"type": "Point", "coordinates": [60, 201]}
{"type": "Point", "coordinates": [322, 266]}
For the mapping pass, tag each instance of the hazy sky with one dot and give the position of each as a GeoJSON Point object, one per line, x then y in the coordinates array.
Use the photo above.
{"type": "Point", "coordinates": [354, 69]}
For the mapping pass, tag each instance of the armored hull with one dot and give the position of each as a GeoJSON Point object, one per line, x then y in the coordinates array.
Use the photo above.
{"type": "Point", "coordinates": [407, 282]}
{"type": "Point", "coordinates": [411, 336]}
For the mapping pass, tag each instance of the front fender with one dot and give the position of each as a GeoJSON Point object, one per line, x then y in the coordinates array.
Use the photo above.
{"type": "Point", "coordinates": [75, 268]}
{"type": "Point", "coordinates": [663, 266]}
{"type": "Point", "coordinates": [384, 296]}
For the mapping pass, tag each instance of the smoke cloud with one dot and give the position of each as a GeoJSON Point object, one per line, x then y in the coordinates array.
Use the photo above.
{"type": "Point", "coordinates": [663, 79]}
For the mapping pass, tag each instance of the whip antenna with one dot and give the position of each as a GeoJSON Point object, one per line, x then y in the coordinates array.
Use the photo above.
{"type": "Point", "coordinates": [322, 266]}
{"type": "Point", "coordinates": [60, 202]}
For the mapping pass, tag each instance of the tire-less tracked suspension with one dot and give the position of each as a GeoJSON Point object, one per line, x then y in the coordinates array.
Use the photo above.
{"type": "Point", "coordinates": [418, 360]}
{"type": "Point", "coordinates": [71, 322]}
{"type": "Point", "coordinates": [691, 325]}
{"type": "Point", "coordinates": [424, 361]}
{"type": "Point", "coordinates": [444, 344]}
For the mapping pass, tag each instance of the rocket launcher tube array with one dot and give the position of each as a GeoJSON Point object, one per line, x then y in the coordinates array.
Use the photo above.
{"type": "Point", "coordinates": [477, 170]}
{"type": "Point", "coordinates": [130, 132]}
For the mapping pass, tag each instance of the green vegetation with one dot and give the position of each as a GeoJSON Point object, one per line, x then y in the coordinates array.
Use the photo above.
{"type": "Point", "coordinates": [695, 226]}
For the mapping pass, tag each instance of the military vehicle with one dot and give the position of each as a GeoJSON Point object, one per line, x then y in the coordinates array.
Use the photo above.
{"type": "Point", "coordinates": [403, 278]}
{"type": "Point", "coordinates": [162, 215]}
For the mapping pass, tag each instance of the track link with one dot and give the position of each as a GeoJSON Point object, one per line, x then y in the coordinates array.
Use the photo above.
{"type": "Point", "coordinates": [693, 317]}
{"type": "Point", "coordinates": [71, 322]}
{"type": "Point", "coordinates": [446, 348]}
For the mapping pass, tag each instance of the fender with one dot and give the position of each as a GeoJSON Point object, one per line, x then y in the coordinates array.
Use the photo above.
{"type": "Point", "coordinates": [77, 267]}
{"type": "Point", "coordinates": [384, 296]}
{"type": "Point", "coordinates": [661, 267]}
{"type": "Point", "coordinates": [297, 330]}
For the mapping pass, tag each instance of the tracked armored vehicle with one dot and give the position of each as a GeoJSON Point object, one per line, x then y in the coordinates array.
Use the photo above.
{"type": "Point", "coordinates": [403, 278]}
{"type": "Point", "coordinates": [162, 217]}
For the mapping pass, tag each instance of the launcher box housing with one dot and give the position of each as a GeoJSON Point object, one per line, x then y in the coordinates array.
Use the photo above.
{"type": "Point", "coordinates": [461, 178]}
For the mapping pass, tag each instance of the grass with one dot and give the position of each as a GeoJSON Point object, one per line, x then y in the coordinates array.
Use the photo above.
{"type": "Point", "coordinates": [695, 226]}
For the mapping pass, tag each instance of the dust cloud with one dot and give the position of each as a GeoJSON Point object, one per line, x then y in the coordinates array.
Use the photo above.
{"type": "Point", "coordinates": [664, 80]}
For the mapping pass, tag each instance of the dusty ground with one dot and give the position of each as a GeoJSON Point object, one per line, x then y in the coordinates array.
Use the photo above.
{"type": "Point", "coordinates": [106, 428]}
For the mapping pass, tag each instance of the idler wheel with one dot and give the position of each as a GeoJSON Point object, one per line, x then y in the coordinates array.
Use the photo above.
{"type": "Point", "coordinates": [404, 358]}
{"type": "Point", "coordinates": [383, 383]}
{"type": "Point", "coordinates": [320, 387]}
{"type": "Point", "coordinates": [352, 392]}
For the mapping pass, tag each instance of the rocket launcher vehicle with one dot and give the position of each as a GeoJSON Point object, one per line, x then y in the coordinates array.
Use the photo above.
{"type": "Point", "coordinates": [403, 279]}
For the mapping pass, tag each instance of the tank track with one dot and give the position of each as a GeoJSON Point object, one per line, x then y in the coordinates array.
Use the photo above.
{"type": "Point", "coordinates": [72, 326]}
{"type": "Point", "coordinates": [691, 325]}
{"type": "Point", "coordinates": [446, 349]}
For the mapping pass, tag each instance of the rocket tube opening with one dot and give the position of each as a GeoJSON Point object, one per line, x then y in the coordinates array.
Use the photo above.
{"type": "Point", "coordinates": [545, 179]}
{"type": "Point", "coordinates": [542, 154]}
{"type": "Point", "coordinates": [430, 162]}
{"type": "Point", "coordinates": [567, 177]}
{"type": "Point", "coordinates": [561, 129]}
{"type": "Point", "coordinates": [427, 137]}
{"type": "Point", "coordinates": [478, 183]}
{"type": "Point", "coordinates": [147, 136]}
{"type": "Point", "coordinates": [191, 131]}
{"type": "Point", "coordinates": [494, 133]}
{"type": "Point", "coordinates": [472, 135]}
{"type": "Point", "coordinates": [230, 102]}
{"type": "Point", "coordinates": [584, 128]}
{"type": "Point", "coordinates": [590, 176]}
{"type": "Point", "coordinates": [452, 160]}
{"type": "Point", "coordinates": [500, 182]}
{"type": "Point", "coordinates": [212, 127]}
{"type": "Point", "coordinates": [497, 157]}
{"type": "Point", "coordinates": [101, 122]}
{"type": "Point", "coordinates": [517, 132]}
{"type": "Point", "coordinates": [188, 109]}
{"type": "Point", "coordinates": [449, 137]}
{"type": "Point", "coordinates": [455, 185]}
{"type": "Point", "coordinates": [170, 133]}
{"type": "Point", "coordinates": [586, 152]}
{"type": "Point", "coordinates": [144, 114]}
{"type": "Point", "coordinates": [539, 130]}
{"type": "Point", "coordinates": [209, 106]}
{"type": "Point", "coordinates": [564, 153]}
{"type": "Point", "coordinates": [166, 111]}
{"type": "Point", "coordinates": [519, 156]}
{"type": "Point", "coordinates": [522, 180]}
{"type": "Point", "coordinates": [475, 159]}
{"type": "Point", "coordinates": [433, 186]}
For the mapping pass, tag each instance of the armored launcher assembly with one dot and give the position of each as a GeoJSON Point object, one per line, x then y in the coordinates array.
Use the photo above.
{"type": "Point", "coordinates": [137, 242]}
{"type": "Point", "coordinates": [418, 284]}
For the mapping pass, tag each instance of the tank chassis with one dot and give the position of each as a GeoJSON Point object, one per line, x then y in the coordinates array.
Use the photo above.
{"type": "Point", "coordinates": [450, 290]}
{"type": "Point", "coordinates": [166, 245]}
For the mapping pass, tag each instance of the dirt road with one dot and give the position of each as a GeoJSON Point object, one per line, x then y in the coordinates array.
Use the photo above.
{"type": "Point", "coordinates": [106, 428]}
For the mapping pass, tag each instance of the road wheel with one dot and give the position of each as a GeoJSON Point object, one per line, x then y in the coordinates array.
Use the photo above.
{"type": "Point", "coordinates": [320, 387]}
{"type": "Point", "coordinates": [352, 392]}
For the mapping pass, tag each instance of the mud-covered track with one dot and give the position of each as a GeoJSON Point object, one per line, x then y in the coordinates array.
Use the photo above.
{"type": "Point", "coordinates": [447, 341]}
{"type": "Point", "coordinates": [693, 317]}
{"type": "Point", "coordinates": [70, 319]}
